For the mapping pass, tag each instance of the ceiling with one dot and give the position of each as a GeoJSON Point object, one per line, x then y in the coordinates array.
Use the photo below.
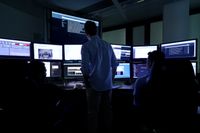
{"type": "Point", "coordinates": [112, 12]}
{"type": "Point", "coordinates": [115, 12]}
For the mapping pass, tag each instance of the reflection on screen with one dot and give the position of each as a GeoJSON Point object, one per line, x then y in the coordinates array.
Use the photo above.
{"type": "Point", "coordinates": [122, 52]}
{"type": "Point", "coordinates": [14, 48]}
{"type": "Point", "coordinates": [140, 52]}
{"type": "Point", "coordinates": [72, 52]}
{"type": "Point", "coordinates": [47, 51]}
{"type": "Point", "coordinates": [123, 71]}
{"type": "Point", "coordinates": [182, 49]}
{"type": "Point", "coordinates": [140, 70]}
{"type": "Point", "coordinates": [53, 69]}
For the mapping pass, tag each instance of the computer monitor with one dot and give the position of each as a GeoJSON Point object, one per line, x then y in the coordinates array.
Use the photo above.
{"type": "Point", "coordinates": [69, 29]}
{"type": "Point", "coordinates": [47, 51]}
{"type": "Point", "coordinates": [53, 69]}
{"type": "Point", "coordinates": [14, 48]}
{"type": "Point", "coordinates": [72, 52]}
{"type": "Point", "coordinates": [123, 71]}
{"type": "Point", "coordinates": [180, 50]}
{"type": "Point", "coordinates": [72, 71]}
{"type": "Point", "coordinates": [122, 52]}
{"type": "Point", "coordinates": [140, 70]}
{"type": "Point", "coordinates": [141, 52]}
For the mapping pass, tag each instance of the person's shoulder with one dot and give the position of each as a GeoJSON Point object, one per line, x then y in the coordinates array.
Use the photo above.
{"type": "Point", "coordinates": [105, 43]}
{"type": "Point", "coordinates": [85, 44]}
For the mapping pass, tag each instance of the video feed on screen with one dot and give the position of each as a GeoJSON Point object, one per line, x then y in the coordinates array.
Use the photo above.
{"type": "Point", "coordinates": [47, 51]}
{"type": "Point", "coordinates": [180, 50]}
{"type": "Point", "coordinates": [123, 71]}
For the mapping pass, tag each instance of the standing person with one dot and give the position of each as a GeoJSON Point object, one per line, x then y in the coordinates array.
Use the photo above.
{"type": "Point", "coordinates": [98, 68]}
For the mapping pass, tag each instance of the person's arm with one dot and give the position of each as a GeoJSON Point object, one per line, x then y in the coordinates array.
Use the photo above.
{"type": "Point", "coordinates": [85, 65]}
{"type": "Point", "coordinates": [114, 64]}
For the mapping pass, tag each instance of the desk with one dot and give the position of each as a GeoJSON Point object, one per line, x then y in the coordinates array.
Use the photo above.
{"type": "Point", "coordinates": [75, 106]}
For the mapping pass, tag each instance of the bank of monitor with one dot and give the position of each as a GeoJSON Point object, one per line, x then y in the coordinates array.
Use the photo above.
{"type": "Point", "coordinates": [47, 51]}
{"type": "Point", "coordinates": [122, 52]}
{"type": "Point", "coordinates": [14, 48]}
{"type": "Point", "coordinates": [186, 49]}
{"type": "Point", "coordinates": [53, 69]}
{"type": "Point", "coordinates": [72, 52]}
{"type": "Point", "coordinates": [66, 29]}
{"type": "Point", "coordinates": [123, 71]}
{"type": "Point", "coordinates": [141, 52]}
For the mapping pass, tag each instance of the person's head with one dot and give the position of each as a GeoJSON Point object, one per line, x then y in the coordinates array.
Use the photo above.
{"type": "Point", "coordinates": [154, 57]}
{"type": "Point", "coordinates": [90, 28]}
{"type": "Point", "coordinates": [37, 70]}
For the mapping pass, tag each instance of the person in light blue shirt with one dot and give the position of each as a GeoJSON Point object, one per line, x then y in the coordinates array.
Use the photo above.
{"type": "Point", "coordinates": [98, 67]}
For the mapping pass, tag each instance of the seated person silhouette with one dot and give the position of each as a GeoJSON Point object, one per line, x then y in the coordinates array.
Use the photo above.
{"type": "Point", "coordinates": [15, 94]}
{"type": "Point", "coordinates": [141, 88]}
{"type": "Point", "coordinates": [47, 96]}
{"type": "Point", "coordinates": [167, 98]}
{"type": "Point", "coordinates": [154, 57]}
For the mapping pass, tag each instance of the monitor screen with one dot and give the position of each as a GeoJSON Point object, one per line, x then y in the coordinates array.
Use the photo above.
{"type": "Point", "coordinates": [68, 29]}
{"type": "Point", "coordinates": [72, 70]}
{"type": "Point", "coordinates": [47, 51]}
{"type": "Point", "coordinates": [14, 48]}
{"type": "Point", "coordinates": [122, 52]}
{"type": "Point", "coordinates": [123, 71]}
{"type": "Point", "coordinates": [53, 69]}
{"type": "Point", "coordinates": [181, 49]}
{"type": "Point", "coordinates": [140, 70]}
{"type": "Point", "coordinates": [72, 52]}
{"type": "Point", "coordinates": [141, 52]}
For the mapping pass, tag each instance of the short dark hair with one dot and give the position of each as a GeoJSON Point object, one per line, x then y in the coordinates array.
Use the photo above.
{"type": "Point", "coordinates": [90, 28]}
{"type": "Point", "coordinates": [156, 56]}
